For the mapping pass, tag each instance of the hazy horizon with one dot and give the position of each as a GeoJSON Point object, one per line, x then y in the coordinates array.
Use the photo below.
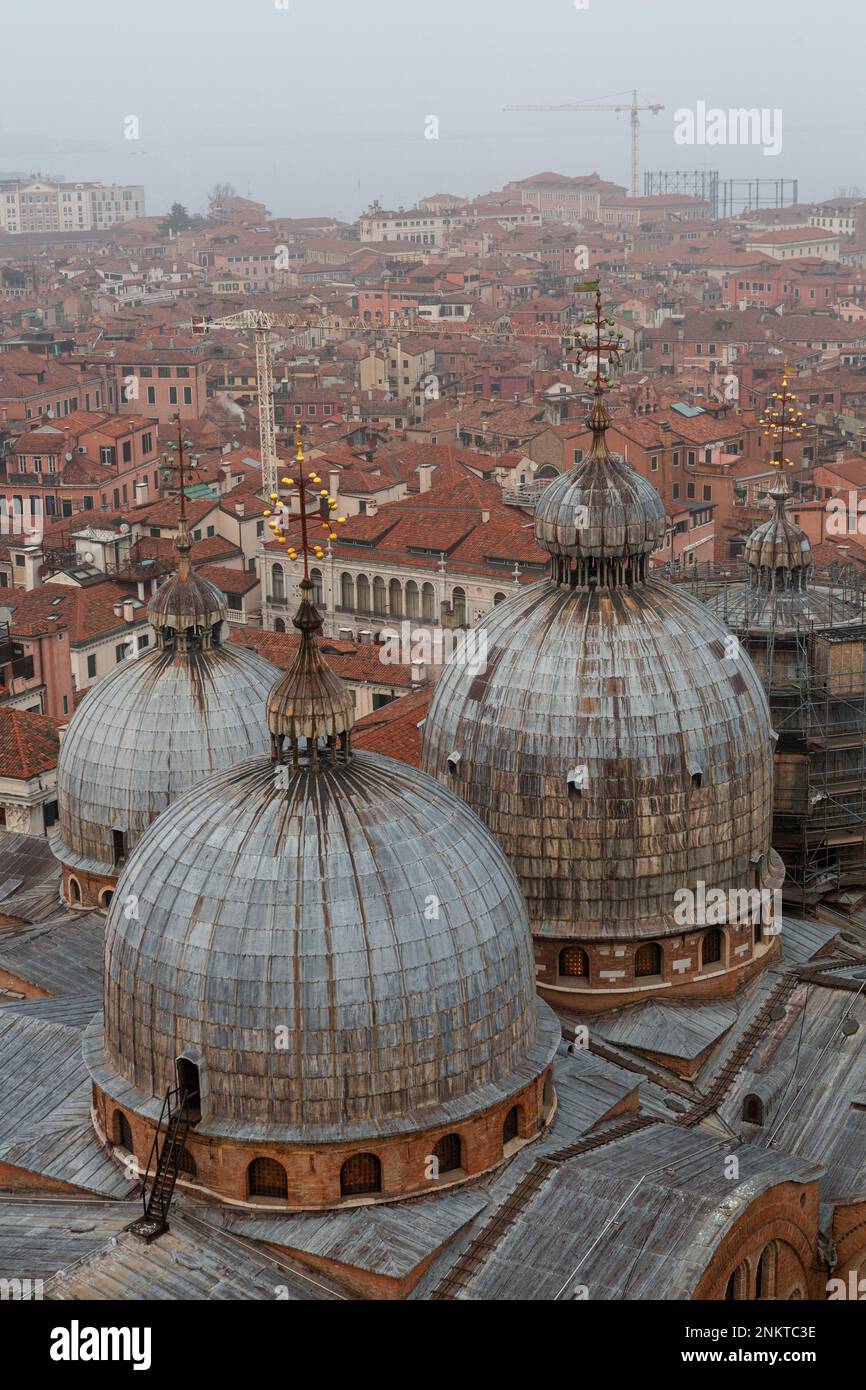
{"type": "Point", "coordinates": [320, 108]}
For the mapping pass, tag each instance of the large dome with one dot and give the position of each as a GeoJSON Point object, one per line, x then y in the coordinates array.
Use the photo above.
{"type": "Point", "coordinates": [344, 954]}
{"type": "Point", "coordinates": [617, 742]}
{"type": "Point", "coordinates": [614, 748]}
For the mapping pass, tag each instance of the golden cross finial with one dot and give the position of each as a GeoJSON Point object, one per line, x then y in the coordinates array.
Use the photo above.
{"type": "Point", "coordinates": [305, 486]}
{"type": "Point", "coordinates": [783, 419]}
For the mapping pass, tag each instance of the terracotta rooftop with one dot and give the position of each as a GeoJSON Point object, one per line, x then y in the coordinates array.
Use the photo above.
{"type": "Point", "coordinates": [29, 743]}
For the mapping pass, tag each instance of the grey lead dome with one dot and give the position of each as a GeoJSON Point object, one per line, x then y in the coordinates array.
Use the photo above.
{"type": "Point", "coordinates": [145, 733]}
{"type": "Point", "coordinates": [341, 950]}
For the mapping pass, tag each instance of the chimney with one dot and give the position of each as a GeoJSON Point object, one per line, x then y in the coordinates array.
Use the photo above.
{"type": "Point", "coordinates": [485, 515]}
{"type": "Point", "coordinates": [334, 483]}
{"type": "Point", "coordinates": [240, 508]}
{"type": "Point", "coordinates": [419, 673]}
{"type": "Point", "coordinates": [372, 508]}
{"type": "Point", "coordinates": [425, 477]}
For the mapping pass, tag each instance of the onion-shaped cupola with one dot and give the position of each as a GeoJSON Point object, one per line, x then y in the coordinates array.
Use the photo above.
{"type": "Point", "coordinates": [601, 520]}
{"type": "Point", "coordinates": [778, 553]}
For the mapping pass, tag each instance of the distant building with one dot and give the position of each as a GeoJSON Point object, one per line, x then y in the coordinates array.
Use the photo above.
{"type": "Point", "coordinates": [48, 205]}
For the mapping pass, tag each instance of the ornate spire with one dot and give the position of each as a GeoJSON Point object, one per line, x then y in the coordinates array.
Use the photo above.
{"type": "Point", "coordinates": [601, 520]}
{"type": "Point", "coordinates": [782, 419]}
{"type": "Point", "coordinates": [310, 708]}
{"type": "Point", "coordinates": [186, 611]}
{"type": "Point", "coordinates": [181, 463]}
{"type": "Point", "coordinates": [281, 514]}
{"type": "Point", "coordinates": [595, 346]}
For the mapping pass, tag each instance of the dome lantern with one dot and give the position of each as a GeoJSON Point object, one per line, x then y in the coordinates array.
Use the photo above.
{"type": "Point", "coordinates": [778, 553]}
{"type": "Point", "coordinates": [601, 520]}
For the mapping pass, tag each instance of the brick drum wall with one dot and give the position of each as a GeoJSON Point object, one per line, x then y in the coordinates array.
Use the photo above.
{"type": "Point", "coordinates": [314, 1173]}
{"type": "Point", "coordinates": [612, 981]}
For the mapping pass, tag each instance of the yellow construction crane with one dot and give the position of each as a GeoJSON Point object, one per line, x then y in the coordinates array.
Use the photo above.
{"type": "Point", "coordinates": [262, 323]}
{"type": "Point", "coordinates": [633, 108]}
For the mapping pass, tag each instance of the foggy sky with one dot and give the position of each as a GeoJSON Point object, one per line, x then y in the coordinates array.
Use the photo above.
{"type": "Point", "coordinates": [320, 108]}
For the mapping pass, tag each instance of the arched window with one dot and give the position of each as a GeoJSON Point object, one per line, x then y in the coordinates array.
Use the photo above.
{"type": "Point", "coordinates": [395, 598]}
{"type": "Point", "coordinates": [428, 603]}
{"type": "Point", "coordinates": [278, 582]}
{"type": "Point", "coordinates": [318, 591]}
{"type": "Point", "coordinates": [511, 1125]}
{"type": "Point", "coordinates": [189, 1085]}
{"type": "Point", "coordinates": [458, 603]}
{"type": "Point", "coordinates": [574, 961]}
{"type": "Point", "coordinates": [75, 889]}
{"type": "Point", "coordinates": [279, 625]}
{"type": "Point", "coordinates": [105, 897]}
{"type": "Point", "coordinates": [738, 1284]}
{"type": "Point", "coordinates": [363, 593]}
{"type": "Point", "coordinates": [186, 1163]}
{"type": "Point", "coordinates": [413, 600]}
{"type": "Point", "coordinates": [347, 591]}
{"type": "Point", "coordinates": [123, 1132]}
{"type": "Point", "coordinates": [753, 1109]}
{"type": "Point", "coordinates": [378, 594]}
{"type": "Point", "coordinates": [497, 599]}
{"type": "Point", "coordinates": [359, 1174]}
{"type": "Point", "coordinates": [267, 1178]}
{"type": "Point", "coordinates": [648, 959]}
{"type": "Point", "coordinates": [449, 1151]}
{"type": "Point", "coordinates": [765, 1279]}
{"type": "Point", "coordinates": [711, 947]}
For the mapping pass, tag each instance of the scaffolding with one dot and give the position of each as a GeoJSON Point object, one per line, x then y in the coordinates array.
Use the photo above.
{"type": "Point", "coordinates": [726, 197]}
{"type": "Point", "coordinates": [814, 674]}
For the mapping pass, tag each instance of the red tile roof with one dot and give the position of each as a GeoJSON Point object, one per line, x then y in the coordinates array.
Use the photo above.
{"type": "Point", "coordinates": [359, 662]}
{"type": "Point", "coordinates": [29, 743]}
{"type": "Point", "coordinates": [393, 729]}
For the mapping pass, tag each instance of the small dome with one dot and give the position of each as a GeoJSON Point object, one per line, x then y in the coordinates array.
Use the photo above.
{"type": "Point", "coordinates": [186, 600]}
{"type": "Point", "coordinates": [344, 949]}
{"type": "Point", "coordinates": [147, 732]}
{"type": "Point", "coordinates": [777, 547]}
{"type": "Point", "coordinates": [601, 520]}
{"type": "Point", "coordinates": [602, 509]}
